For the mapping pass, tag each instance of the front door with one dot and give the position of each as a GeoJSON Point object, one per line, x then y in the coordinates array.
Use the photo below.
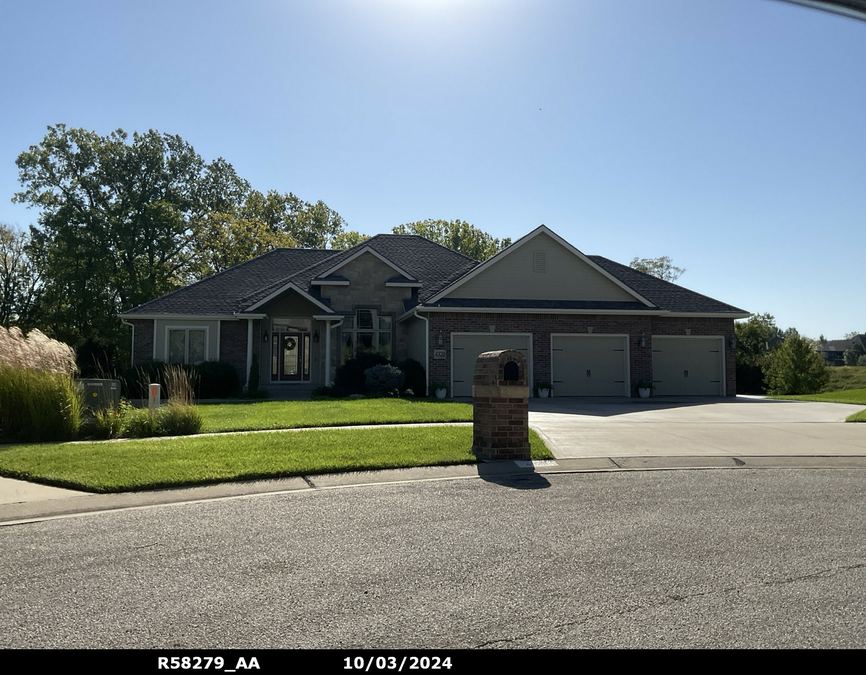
{"type": "Point", "coordinates": [290, 359]}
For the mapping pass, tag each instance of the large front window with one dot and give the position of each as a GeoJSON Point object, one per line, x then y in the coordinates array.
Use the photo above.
{"type": "Point", "coordinates": [186, 345]}
{"type": "Point", "coordinates": [367, 331]}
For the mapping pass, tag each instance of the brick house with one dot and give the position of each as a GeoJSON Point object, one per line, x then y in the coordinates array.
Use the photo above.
{"type": "Point", "coordinates": [589, 325]}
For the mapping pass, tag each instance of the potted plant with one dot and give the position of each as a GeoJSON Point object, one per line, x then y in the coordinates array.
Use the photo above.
{"type": "Point", "coordinates": [441, 389]}
{"type": "Point", "coordinates": [644, 388]}
{"type": "Point", "coordinates": [543, 389]}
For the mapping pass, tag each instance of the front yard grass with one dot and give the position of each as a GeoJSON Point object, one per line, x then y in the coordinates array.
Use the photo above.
{"type": "Point", "coordinates": [854, 396]}
{"type": "Point", "coordinates": [120, 466]}
{"type": "Point", "coordinates": [294, 414]}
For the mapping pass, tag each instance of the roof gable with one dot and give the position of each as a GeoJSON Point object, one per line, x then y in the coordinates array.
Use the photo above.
{"type": "Point", "coordinates": [541, 267]}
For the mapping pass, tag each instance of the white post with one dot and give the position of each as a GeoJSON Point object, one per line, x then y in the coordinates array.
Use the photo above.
{"type": "Point", "coordinates": [153, 396]}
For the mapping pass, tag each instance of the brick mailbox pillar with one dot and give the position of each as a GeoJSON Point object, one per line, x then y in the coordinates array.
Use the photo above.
{"type": "Point", "coordinates": [500, 406]}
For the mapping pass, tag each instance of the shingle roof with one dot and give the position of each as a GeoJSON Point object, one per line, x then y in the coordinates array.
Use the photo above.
{"type": "Point", "coordinates": [666, 295]}
{"type": "Point", "coordinates": [220, 293]}
{"type": "Point", "coordinates": [241, 287]}
{"type": "Point", "coordinates": [436, 267]}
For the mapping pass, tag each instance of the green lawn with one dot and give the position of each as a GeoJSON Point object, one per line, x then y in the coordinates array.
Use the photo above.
{"type": "Point", "coordinates": [853, 396]}
{"type": "Point", "coordinates": [294, 414]}
{"type": "Point", "coordinates": [119, 466]}
{"type": "Point", "coordinates": [846, 377]}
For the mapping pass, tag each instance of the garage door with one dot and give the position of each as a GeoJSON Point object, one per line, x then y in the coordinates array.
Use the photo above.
{"type": "Point", "coordinates": [688, 365]}
{"type": "Point", "coordinates": [589, 365]}
{"type": "Point", "coordinates": [466, 348]}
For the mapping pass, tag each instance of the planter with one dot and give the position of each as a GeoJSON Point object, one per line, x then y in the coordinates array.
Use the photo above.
{"type": "Point", "coordinates": [644, 393]}
{"type": "Point", "coordinates": [543, 393]}
{"type": "Point", "coordinates": [440, 393]}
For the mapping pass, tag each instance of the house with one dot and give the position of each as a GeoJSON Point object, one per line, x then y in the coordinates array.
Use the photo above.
{"type": "Point", "coordinates": [833, 351]}
{"type": "Point", "coordinates": [589, 325]}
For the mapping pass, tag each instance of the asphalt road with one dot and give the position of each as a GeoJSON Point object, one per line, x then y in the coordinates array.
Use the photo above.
{"type": "Point", "coordinates": [711, 558]}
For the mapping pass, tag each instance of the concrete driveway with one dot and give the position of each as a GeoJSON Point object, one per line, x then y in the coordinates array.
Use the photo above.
{"type": "Point", "coordinates": [666, 426]}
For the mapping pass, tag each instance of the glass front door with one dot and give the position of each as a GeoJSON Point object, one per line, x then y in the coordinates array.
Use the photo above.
{"type": "Point", "coordinates": [290, 357]}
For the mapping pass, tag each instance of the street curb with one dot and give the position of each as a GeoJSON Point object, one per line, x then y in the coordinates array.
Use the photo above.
{"type": "Point", "coordinates": [83, 503]}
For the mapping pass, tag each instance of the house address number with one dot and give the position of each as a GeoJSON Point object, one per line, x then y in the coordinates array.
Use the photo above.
{"type": "Point", "coordinates": [438, 353]}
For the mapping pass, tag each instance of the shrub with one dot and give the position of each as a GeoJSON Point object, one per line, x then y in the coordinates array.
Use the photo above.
{"type": "Point", "coordinates": [36, 351]}
{"type": "Point", "coordinates": [36, 405]}
{"type": "Point", "coordinates": [211, 379]}
{"type": "Point", "coordinates": [179, 384]}
{"type": "Point", "coordinates": [796, 368]}
{"type": "Point", "coordinates": [383, 380]}
{"type": "Point", "coordinates": [178, 419]}
{"type": "Point", "coordinates": [216, 379]}
{"type": "Point", "coordinates": [350, 378]}
{"type": "Point", "coordinates": [415, 377]}
{"type": "Point", "coordinates": [140, 423]}
{"type": "Point", "coordinates": [108, 422]}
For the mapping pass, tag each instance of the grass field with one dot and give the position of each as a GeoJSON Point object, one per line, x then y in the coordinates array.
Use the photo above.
{"type": "Point", "coordinates": [119, 466]}
{"type": "Point", "coordinates": [295, 414]}
{"type": "Point", "coordinates": [846, 377]}
{"type": "Point", "coordinates": [853, 396]}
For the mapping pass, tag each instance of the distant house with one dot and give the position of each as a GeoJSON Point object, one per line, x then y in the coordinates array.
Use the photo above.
{"type": "Point", "coordinates": [833, 351]}
{"type": "Point", "coordinates": [589, 325]}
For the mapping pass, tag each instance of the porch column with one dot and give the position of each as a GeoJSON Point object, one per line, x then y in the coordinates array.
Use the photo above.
{"type": "Point", "coordinates": [249, 352]}
{"type": "Point", "coordinates": [327, 352]}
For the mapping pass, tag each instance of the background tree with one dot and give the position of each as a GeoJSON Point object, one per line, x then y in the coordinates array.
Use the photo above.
{"type": "Point", "coordinates": [661, 267]}
{"type": "Point", "coordinates": [124, 220]}
{"type": "Point", "coordinates": [796, 368]}
{"type": "Point", "coordinates": [19, 280]}
{"type": "Point", "coordinates": [757, 339]}
{"type": "Point", "coordinates": [118, 220]}
{"type": "Point", "coordinates": [457, 235]}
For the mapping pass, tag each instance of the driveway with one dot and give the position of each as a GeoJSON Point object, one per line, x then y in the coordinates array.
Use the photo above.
{"type": "Point", "coordinates": [665, 426]}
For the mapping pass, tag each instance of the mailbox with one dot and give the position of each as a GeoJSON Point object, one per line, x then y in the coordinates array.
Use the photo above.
{"type": "Point", "coordinates": [500, 406]}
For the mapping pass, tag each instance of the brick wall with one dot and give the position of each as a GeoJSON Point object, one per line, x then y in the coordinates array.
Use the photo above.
{"type": "Point", "coordinates": [142, 348]}
{"type": "Point", "coordinates": [233, 344]}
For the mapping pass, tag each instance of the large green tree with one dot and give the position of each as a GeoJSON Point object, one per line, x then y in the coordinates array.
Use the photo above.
{"type": "Point", "coordinates": [263, 222]}
{"type": "Point", "coordinates": [457, 235]}
{"type": "Point", "coordinates": [118, 221]}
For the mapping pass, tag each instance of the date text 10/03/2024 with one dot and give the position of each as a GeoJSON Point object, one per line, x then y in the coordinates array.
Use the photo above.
{"type": "Point", "coordinates": [399, 664]}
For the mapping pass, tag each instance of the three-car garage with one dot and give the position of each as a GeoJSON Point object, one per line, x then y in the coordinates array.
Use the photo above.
{"type": "Point", "coordinates": [593, 364]}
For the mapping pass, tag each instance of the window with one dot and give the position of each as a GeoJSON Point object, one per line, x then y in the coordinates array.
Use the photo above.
{"type": "Point", "coordinates": [367, 331]}
{"type": "Point", "coordinates": [187, 345]}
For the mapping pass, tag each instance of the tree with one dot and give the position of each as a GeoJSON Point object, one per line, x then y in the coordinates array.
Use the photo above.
{"type": "Point", "coordinates": [756, 341]}
{"type": "Point", "coordinates": [457, 235]}
{"type": "Point", "coordinates": [19, 280]}
{"type": "Point", "coordinates": [661, 267]}
{"type": "Point", "coordinates": [796, 368]}
{"type": "Point", "coordinates": [262, 223]}
{"type": "Point", "coordinates": [118, 220]}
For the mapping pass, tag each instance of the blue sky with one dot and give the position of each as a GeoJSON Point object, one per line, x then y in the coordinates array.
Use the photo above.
{"type": "Point", "coordinates": [726, 134]}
